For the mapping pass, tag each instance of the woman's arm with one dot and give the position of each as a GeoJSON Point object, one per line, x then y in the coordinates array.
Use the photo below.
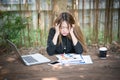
{"type": "Point", "coordinates": [50, 45]}
{"type": "Point", "coordinates": [78, 47]}
{"type": "Point", "coordinates": [57, 32]}
{"type": "Point", "coordinates": [74, 39]}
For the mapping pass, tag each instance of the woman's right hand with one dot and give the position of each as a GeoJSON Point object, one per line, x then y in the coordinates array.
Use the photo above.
{"type": "Point", "coordinates": [57, 29]}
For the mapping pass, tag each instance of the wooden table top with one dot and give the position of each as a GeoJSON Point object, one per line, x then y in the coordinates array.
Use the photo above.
{"type": "Point", "coordinates": [11, 68]}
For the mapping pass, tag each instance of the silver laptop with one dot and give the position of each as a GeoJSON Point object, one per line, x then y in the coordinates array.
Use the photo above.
{"type": "Point", "coordinates": [30, 59]}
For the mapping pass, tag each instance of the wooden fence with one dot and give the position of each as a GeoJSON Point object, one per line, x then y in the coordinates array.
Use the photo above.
{"type": "Point", "coordinates": [98, 19]}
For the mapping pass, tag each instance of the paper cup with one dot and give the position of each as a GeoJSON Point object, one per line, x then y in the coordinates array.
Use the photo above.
{"type": "Point", "coordinates": [102, 52]}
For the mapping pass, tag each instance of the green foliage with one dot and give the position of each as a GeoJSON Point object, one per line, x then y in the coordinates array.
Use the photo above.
{"type": "Point", "coordinates": [101, 37]}
{"type": "Point", "coordinates": [10, 27]}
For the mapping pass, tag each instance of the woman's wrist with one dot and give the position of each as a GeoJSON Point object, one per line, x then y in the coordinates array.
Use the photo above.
{"type": "Point", "coordinates": [74, 39]}
{"type": "Point", "coordinates": [55, 38]}
{"type": "Point", "coordinates": [57, 33]}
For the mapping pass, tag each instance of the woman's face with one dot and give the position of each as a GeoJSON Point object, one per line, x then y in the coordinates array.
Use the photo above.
{"type": "Point", "coordinates": [64, 29]}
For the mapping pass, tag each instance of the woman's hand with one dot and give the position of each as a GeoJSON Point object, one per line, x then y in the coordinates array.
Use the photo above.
{"type": "Point", "coordinates": [71, 29]}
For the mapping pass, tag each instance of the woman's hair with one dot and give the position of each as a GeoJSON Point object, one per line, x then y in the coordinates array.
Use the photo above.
{"type": "Point", "coordinates": [65, 16]}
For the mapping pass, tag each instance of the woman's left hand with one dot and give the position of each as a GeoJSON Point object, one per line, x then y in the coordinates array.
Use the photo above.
{"type": "Point", "coordinates": [71, 28]}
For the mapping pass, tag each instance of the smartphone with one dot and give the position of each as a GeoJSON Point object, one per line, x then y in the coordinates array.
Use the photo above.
{"type": "Point", "coordinates": [53, 63]}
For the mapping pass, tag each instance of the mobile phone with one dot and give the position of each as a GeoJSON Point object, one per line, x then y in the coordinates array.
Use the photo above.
{"type": "Point", "coordinates": [55, 62]}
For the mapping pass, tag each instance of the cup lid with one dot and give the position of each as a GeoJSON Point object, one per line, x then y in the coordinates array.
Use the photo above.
{"type": "Point", "coordinates": [102, 48]}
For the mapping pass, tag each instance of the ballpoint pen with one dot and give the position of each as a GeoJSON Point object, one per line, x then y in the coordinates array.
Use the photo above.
{"type": "Point", "coordinates": [82, 59]}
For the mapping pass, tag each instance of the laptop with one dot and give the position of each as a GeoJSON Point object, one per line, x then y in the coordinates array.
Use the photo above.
{"type": "Point", "coordinates": [29, 59]}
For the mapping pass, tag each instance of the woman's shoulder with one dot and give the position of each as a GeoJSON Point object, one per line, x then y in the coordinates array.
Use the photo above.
{"type": "Point", "coordinates": [52, 29]}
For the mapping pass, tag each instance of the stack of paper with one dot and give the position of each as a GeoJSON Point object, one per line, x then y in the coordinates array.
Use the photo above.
{"type": "Point", "coordinates": [74, 59]}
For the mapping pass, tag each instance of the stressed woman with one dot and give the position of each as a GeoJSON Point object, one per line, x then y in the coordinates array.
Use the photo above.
{"type": "Point", "coordinates": [65, 36]}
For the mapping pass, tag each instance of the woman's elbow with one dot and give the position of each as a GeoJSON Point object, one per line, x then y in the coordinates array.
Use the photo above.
{"type": "Point", "coordinates": [81, 50]}
{"type": "Point", "coordinates": [50, 53]}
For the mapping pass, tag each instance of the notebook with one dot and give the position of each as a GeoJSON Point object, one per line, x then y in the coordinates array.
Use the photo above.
{"type": "Point", "coordinates": [29, 59]}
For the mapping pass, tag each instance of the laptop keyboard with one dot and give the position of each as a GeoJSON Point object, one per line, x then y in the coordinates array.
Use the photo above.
{"type": "Point", "coordinates": [30, 59]}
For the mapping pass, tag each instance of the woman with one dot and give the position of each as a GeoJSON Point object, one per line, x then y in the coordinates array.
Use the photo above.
{"type": "Point", "coordinates": [65, 36]}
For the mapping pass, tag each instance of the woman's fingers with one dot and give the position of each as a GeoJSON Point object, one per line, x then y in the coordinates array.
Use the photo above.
{"type": "Point", "coordinates": [73, 25]}
{"type": "Point", "coordinates": [57, 28]}
{"type": "Point", "coordinates": [71, 28]}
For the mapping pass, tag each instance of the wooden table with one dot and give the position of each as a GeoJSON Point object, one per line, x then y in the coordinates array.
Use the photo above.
{"type": "Point", "coordinates": [11, 68]}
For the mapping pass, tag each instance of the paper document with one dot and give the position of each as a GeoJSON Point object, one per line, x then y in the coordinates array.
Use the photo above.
{"type": "Point", "coordinates": [74, 59]}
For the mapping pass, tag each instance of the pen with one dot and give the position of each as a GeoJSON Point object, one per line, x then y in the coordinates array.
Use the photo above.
{"type": "Point", "coordinates": [82, 59]}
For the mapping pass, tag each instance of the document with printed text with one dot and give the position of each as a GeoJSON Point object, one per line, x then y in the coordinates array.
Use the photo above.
{"type": "Point", "coordinates": [74, 59]}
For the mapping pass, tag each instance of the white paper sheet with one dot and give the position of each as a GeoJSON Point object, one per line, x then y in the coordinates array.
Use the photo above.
{"type": "Point", "coordinates": [74, 59]}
